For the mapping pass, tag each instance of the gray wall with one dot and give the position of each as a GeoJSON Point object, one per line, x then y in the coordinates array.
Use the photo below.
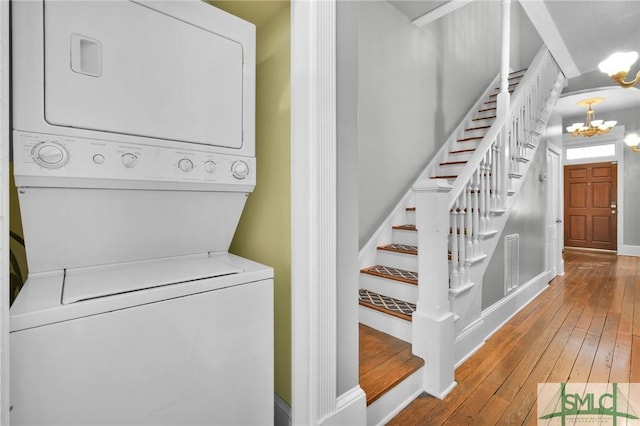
{"type": "Point", "coordinates": [630, 119]}
{"type": "Point", "coordinates": [527, 219]}
{"type": "Point", "coordinates": [414, 87]}
{"type": "Point", "coordinates": [347, 203]}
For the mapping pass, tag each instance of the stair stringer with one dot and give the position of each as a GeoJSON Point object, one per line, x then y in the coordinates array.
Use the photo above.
{"type": "Point", "coordinates": [466, 301]}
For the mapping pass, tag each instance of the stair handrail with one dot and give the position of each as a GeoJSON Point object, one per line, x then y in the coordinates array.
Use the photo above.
{"type": "Point", "coordinates": [498, 126]}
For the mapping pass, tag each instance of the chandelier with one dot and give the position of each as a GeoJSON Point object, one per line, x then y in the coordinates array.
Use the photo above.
{"type": "Point", "coordinates": [592, 126]}
{"type": "Point", "coordinates": [618, 66]}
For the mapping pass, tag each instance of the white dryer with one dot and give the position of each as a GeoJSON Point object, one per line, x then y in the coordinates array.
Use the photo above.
{"type": "Point", "coordinates": [133, 144]}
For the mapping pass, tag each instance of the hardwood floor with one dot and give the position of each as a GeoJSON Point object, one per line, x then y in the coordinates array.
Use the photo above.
{"type": "Point", "coordinates": [584, 328]}
{"type": "Point", "coordinates": [384, 362]}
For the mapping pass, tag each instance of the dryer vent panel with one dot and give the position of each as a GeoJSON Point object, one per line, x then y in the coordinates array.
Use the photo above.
{"type": "Point", "coordinates": [511, 262]}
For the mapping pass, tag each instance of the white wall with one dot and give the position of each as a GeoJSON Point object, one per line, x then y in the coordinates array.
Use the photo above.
{"type": "Point", "coordinates": [414, 86]}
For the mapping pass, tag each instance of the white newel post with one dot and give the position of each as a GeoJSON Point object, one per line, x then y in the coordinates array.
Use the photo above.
{"type": "Point", "coordinates": [504, 100]}
{"type": "Point", "coordinates": [433, 328]}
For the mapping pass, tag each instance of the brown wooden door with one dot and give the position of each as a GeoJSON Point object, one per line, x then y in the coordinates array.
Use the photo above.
{"type": "Point", "coordinates": [590, 206]}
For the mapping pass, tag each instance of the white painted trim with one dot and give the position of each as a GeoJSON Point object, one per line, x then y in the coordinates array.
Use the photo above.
{"type": "Point", "coordinates": [351, 409]}
{"type": "Point", "coordinates": [439, 12]}
{"type": "Point", "coordinates": [546, 27]}
{"type": "Point", "coordinates": [381, 411]}
{"type": "Point", "coordinates": [281, 412]}
{"type": "Point", "coordinates": [495, 316]}
{"type": "Point", "coordinates": [550, 215]}
{"type": "Point", "coordinates": [629, 251]}
{"type": "Point", "coordinates": [616, 135]}
{"type": "Point", "coordinates": [313, 211]}
{"type": "Point", "coordinates": [4, 213]}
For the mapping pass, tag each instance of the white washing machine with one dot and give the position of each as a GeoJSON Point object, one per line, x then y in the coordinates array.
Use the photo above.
{"type": "Point", "coordinates": [133, 144]}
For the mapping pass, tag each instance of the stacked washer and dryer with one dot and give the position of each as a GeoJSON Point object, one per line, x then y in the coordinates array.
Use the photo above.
{"type": "Point", "coordinates": [134, 153]}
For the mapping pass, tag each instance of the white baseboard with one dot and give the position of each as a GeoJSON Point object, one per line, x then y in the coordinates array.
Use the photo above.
{"type": "Point", "coordinates": [495, 316]}
{"type": "Point", "coordinates": [391, 403]}
{"type": "Point", "coordinates": [281, 412]}
{"type": "Point", "coordinates": [351, 409]}
{"type": "Point", "coordinates": [625, 250]}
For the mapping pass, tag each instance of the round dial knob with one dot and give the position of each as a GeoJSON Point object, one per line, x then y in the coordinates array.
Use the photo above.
{"type": "Point", "coordinates": [210, 166]}
{"type": "Point", "coordinates": [185, 165]}
{"type": "Point", "coordinates": [129, 159]}
{"type": "Point", "coordinates": [240, 169]}
{"type": "Point", "coordinates": [50, 154]}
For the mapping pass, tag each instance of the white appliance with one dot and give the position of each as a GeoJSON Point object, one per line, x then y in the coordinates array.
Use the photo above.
{"type": "Point", "coordinates": [133, 145]}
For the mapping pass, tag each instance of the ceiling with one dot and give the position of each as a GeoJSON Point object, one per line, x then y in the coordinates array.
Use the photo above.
{"type": "Point", "coordinates": [579, 34]}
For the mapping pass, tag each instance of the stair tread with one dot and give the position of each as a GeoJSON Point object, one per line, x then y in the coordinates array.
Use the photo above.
{"type": "Point", "coordinates": [391, 273]}
{"type": "Point", "coordinates": [444, 177]}
{"type": "Point", "coordinates": [411, 209]}
{"type": "Point", "coordinates": [400, 248]}
{"type": "Point", "coordinates": [461, 151]}
{"type": "Point", "coordinates": [453, 163]}
{"type": "Point", "coordinates": [490, 117]}
{"type": "Point", "coordinates": [407, 227]}
{"type": "Point", "coordinates": [385, 361]}
{"type": "Point", "coordinates": [388, 305]}
{"type": "Point", "coordinates": [471, 129]}
{"type": "Point", "coordinates": [473, 138]}
{"type": "Point", "coordinates": [488, 109]}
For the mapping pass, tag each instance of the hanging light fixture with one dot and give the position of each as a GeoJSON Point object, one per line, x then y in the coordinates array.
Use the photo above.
{"type": "Point", "coordinates": [618, 66]}
{"type": "Point", "coordinates": [633, 140]}
{"type": "Point", "coordinates": [592, 126]}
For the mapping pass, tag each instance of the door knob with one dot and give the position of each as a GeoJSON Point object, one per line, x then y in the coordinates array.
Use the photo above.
{"type": "Point", "coordinates": [558, 220]}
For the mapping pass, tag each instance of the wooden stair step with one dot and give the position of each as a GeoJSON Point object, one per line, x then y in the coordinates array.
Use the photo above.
{"type": "Point", "coordinates": [385, 361]}
{"type": "Point", "coordinates": [488, 109]}
{"type": "Point", "coordinates": [444, 177]}
{"type": "Point", "coordinates": [518, 72]}
{"type": "Point", "coordinates": [472, 129]}
{"type": "Point", "coordinates": [400, 248]}
{"type": "Point", "coordinates": [411, 209]}
{"type": "Point", "coordinates": [453, 163]}
{"type": "Point", "coordinates": [490, 102]}
{"type": "Point", "coordinates": [491, 117]}
{"type": "Point", "coordinates": [462, 151]}
{"type": "Point", "coordinates": [494, 95]}
{"type": "Point", "coordinates": [474, 138]}
{"type": "Point", "coordinates": [408, 227]}
{"type": "Point", "coordinates": [391, 273]}
{"type": "Point", "coordinates": [388, 305]}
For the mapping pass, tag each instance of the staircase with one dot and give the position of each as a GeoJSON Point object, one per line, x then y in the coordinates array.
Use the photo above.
{"type": "Point", "coordinates": [470, 186]}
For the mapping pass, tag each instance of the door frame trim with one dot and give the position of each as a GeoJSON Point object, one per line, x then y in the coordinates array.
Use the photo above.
{"type": "Point", "coordinates": [560, 206]}
{"type": "Point", "coordinates": [616, 135]}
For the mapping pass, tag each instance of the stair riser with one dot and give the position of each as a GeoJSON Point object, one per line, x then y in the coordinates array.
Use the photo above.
{"type": "Point", "coordinates": [405, 237]}
{"type": "Point", "coordinates": [474, 133]}
{"type": "Point", "coordinates": [484, 121]}
{"type": "Point", "coordinates": [465, 145]}
{"type": "Point", "coordinates": [463, 156]}
{"type": "Point", "coordinates": [390, 404]}
{"type": "Point", "coordinates": [449, 169]}
{"type": "Point", "coordinates": [386, 323]}
{"type": "Point", "coordinates": [408, 262]}
{"type": "Point", "coordinates": [411, 217]}
{"type": "Point", "coordinates": [391, 288]}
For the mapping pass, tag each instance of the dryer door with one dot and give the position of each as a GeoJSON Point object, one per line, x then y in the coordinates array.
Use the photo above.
{"type": "Point", "coordinates": [122, 67]}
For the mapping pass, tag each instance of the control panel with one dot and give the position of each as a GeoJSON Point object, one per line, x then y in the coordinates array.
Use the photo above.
{"type": "Point", "coordinates": [38, 155]}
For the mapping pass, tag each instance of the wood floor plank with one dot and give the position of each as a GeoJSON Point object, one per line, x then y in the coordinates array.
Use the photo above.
{"type": "Point", "coordinates": [585, 327]}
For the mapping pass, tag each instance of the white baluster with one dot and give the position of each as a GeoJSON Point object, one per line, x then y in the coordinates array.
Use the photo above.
{"type": "Point", "coordinates": [476, 210]}
{"type": "Point", "coordinates": [469, 219]}
{"type": "Point", "coordinates": [461, 236]}
{"type": "Point", "coordinates": [453, 241]}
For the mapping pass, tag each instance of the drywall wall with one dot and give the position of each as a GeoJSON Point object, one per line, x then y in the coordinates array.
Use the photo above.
{"type": "Point", "coordinates": [528, 220]}
{"type": "Point", "coordinates": [524, 38]}
{"type": "Point", "coordinates": [264, 231]}
{"type": "Point", "coordinates": [630, 119]}
{"type": "Point", "coordinates": [414, 86]}
{"type": "Point", "coordinates": [347, 189]}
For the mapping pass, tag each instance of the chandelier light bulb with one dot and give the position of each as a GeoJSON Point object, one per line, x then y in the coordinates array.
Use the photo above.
{"type": "Point", "coordinates": [619, 62]}
{"type": "Point", "coordinates": [592, 126]}
{"type": "Point", "coordinates": [632, 139]}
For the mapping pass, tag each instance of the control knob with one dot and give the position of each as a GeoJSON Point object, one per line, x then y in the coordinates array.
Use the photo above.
{"type": "Point", "coordinates": [51, 155]}
{"type": "Point", "coordinates": [129, 159]}
{"type": "Point", "coordinates": [185, 165]}
{"type": "Point", "coordinates": [210, 166]}
{"type": "Point", "coordinates": [240, 169]}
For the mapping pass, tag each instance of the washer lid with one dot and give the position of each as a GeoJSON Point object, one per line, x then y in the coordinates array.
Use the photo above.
{"type": "Point", "coordinates": [91, 283]}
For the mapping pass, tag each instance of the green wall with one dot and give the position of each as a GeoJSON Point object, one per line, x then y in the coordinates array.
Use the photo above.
{"type": "Point", "coordinates": [264, 232]}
